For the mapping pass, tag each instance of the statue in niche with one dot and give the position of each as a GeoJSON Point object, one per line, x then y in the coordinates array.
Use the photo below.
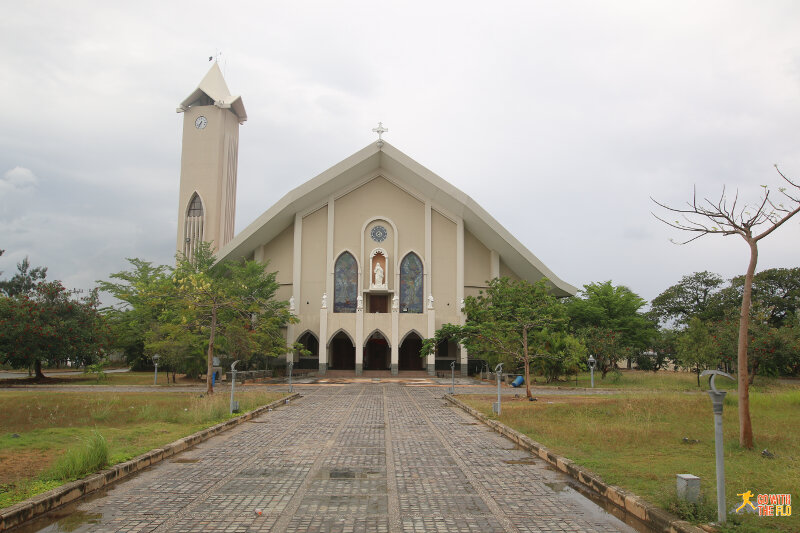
{"type": "Point", "coordinates": [395, 303]}
{"type": "Point", "coordinates": [430, 301]}
{"type": "Point", "coordinates": [291, 304]}
{"type": "Point", "coordinates": [378, 275]}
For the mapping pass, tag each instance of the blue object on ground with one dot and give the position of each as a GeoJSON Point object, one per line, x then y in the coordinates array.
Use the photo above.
{"type": "Point", "coordinates": [518, 381]}
{"type": "Point", "coordinates": [213, 378]}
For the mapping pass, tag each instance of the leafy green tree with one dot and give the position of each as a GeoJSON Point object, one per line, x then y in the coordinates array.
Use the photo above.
{"type": "Point", "coordinates": [229, 299]}
{"type": "Point", "coordinates": [502, 322]}
{"type": "Point", "coordinates": [692, 296]}
{"type": "Point", "coordinates": [610, 317]}
{"type": "Point", "coordinates": [776, 291]}
{"type": "Point", "coordinates": [47, 324]}
{"type": "Point", "coordinates": [696, 347]}
{"type": "Point", "coordinates": [562, 353]}
{"type": "Point", "coordinates": [606, 345]}
{"type": "Point", "coordinates": [24, 281]}
{"type": "Point", "coordinates": [138, 307]}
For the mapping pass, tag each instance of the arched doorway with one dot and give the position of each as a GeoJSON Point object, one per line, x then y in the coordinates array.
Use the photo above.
{"type": "Point", "coordinates": [409, 353]}
{"type": "Point", "coordinates": [343, 352]}
{"type": "Point", "coordinates": [310, 344]}
{"type": "Point", "coordinates": [377, 354]}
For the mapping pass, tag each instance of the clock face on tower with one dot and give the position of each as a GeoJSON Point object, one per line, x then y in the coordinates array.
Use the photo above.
{"type": "Point", "coordinates": [201, 122]}
{"type": "Point", "coordinates": [378, 234]}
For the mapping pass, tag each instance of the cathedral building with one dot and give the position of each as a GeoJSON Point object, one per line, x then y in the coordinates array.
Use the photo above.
{"type": "Point", "coordinates": [373, 255]}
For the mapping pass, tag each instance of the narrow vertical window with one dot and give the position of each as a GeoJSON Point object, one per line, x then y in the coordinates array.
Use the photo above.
{"type": "Point", "coordinates": [193, 226]}
{"type": "Point", "coordinates": [411, 281]}
{"type": "Point", "coordinates": [345, 281]}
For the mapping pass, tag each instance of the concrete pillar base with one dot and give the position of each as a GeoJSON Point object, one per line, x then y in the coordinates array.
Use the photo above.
{"type": "Point", "coordinates": [394, 370]}
{"type": "Point", "coordinates": [323, 368]}
{"type": "Point", "coordinates": [359, 369]}
{"type": "Point", "coordinates": [463, 370]}
{"type": "Point", "coordinates": [431, 370]}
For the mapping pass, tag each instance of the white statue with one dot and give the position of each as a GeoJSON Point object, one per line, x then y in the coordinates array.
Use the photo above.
{"type": "Point", "coordinates": [360, 303]}
{"type": "Point", "coordinates": [324, 300]}
{"type": "Point", "coordinates": [291, 304]}
{"type": "Point", "coordinates": [430, 301]}
{"type": "Point", "coordinates": [378, 275]}
{"type": "Point", "coordinates": [461, 308]}
{"type": "Point", "coordinates": [395, 303]}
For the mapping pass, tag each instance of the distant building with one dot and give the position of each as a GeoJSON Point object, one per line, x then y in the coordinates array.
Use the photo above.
{"type": "Point", "coordinates": [374, 254]}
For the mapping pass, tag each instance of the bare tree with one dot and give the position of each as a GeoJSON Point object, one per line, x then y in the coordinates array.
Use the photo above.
{"type": "Point", "coordinates": [730, 218]}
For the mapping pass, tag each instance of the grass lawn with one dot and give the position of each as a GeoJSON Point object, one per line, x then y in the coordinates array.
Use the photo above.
{"type": "Point", "coordinates": [664, 380]}
{"type": "Point", "coordinates": [112, 378]}
{"type": "Point", "coordinates": [635, 441]}
{"type": "Point", "coordinates": [39, 427]}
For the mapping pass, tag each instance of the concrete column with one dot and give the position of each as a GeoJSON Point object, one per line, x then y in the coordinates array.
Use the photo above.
{"type": "Point", "coordinates": [395, 346]}
{"type": "Point", "coordinates": [494, 265]}
{"type": "Point", "coordinates": [296, 261]}
{"type": "Point", "coordinates": [329, 251]}
{"type": "Point", "coordinates": [431, 359]}
{"type": "Point", "coordinates": [323, 340]}
{"type": "Point", "coordinates": [460, 287]}
{"type": "Point", "coordinates": [359, 341]}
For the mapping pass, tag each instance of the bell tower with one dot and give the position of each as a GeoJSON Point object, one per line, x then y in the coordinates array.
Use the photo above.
{"type": "Point", "coordinates": [209, 157]}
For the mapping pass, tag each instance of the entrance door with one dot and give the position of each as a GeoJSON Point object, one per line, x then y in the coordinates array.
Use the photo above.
{"type": "Point", "coordinates": [343, 353]}
{"type": "Point", "coordinates": [409, 353]}
{"type": "Point", "coordinates": [377, 354]}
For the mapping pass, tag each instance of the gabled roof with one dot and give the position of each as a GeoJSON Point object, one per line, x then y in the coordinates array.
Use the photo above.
{"type": "Point", "coordinates": [213, 87]}
{"type": "Point", "coordinates": [397, 165]}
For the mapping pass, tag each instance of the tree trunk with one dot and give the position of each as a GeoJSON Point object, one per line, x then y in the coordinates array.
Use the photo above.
{"type": "Point", "coordinates": [745, 426]}
{"type": "Point", "coordinates": [210, 359]}
{"type": "Point", "coordinates": [527, 363]}
{"type": "Point", "coordinates": [697, 371]}
{"type": "Point", "coordinates": [37, 367]}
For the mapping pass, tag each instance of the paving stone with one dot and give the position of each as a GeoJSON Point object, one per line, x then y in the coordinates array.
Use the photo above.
{"type": "Point", "coordinates": [367, 457]}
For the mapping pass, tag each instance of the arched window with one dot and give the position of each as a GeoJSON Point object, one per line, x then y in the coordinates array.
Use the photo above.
{"type": "Point", "coordinates": [411, 281]}
{"type": "Point", "coordinates": [195, 206]}
{"type": "Point", "coordinates": [193, 226]}
{"type": "Point", "coordinates": [345, 280]}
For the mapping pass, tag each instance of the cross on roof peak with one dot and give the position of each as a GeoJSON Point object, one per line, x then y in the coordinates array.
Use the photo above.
{"type": "Point", "coordinates": [380, 130]}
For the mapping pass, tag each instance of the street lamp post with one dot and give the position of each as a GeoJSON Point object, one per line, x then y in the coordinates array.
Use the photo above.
{"type": "Point", "coordinates": [155, 362]}
{"type": "Point", "coordinates": [498, 370]}
{"type": "Point", "coordinates": [453, 377]}
{"type": "Point", "coordinates": [592, 363]}
{"type": "Point", "coordinates": [290, 365]}
{"type": "Point", "coordinates": [234, 404]}
{"type": "Point", "coordinates": [717, 402]}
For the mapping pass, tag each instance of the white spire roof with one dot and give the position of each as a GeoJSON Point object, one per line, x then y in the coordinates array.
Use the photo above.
{"type": "Point", "coordinates": [213, 88]}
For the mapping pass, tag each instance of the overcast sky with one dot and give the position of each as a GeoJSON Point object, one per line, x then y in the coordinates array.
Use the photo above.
{"type": "Point", "coordinates": [560, 118]}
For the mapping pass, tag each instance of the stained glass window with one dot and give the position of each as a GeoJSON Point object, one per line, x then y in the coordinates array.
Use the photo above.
{"type": "Point", "coordinates": [345, 281]}
{"type": "Point", "coordinates": [411, 284]}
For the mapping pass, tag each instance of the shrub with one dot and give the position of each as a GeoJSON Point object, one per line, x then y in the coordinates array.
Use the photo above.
{"type": "Point", "coordinates": [90, 457]}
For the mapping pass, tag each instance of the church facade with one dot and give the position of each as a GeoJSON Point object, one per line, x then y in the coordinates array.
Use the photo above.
{"type": "Point", "coordinates": [373, 255]}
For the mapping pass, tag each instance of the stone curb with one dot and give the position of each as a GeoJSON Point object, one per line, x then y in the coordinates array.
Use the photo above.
{"type": "Point", "coordinates": [47, 501]}
{"type": "Point", "coordinates": [656, 518]}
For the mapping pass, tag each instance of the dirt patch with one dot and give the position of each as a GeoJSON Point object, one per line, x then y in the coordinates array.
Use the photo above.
{"type": "Point", "coordinates": [24, 464]}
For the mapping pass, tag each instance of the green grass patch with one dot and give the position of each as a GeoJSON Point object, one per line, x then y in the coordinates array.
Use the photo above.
{"type": "Point", "coordinates": [663, 380]}
{"type": "Point", "coordinates": [640, 441]}
{"type": "Point", "coordinates": [90, 457]}
{"type": "Point", "coordinates": [52, 437]}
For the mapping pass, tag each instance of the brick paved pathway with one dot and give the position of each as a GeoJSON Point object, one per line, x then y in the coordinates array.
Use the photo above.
{"type": "Point", "coordinates": [356, 458]}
